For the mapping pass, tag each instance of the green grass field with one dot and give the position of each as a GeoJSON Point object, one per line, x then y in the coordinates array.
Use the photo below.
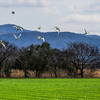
{"type": "Point", "coordinates": [50, 89]}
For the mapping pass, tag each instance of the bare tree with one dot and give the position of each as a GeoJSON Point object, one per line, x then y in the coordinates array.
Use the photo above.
{"type": "Point", "coordinates": [6, 54]}
{"type": "Point", "coordinates": [40, 58]}
{"type": "Point", "coordinates": [81, 56]}
{"type": "Point", "coordinates": [54, 61]}
{"type": "Point", "coordinates": [21, 61]}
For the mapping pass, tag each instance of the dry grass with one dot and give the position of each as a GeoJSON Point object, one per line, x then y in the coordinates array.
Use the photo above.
{"type": "Point", "coordinates": [61, 74]}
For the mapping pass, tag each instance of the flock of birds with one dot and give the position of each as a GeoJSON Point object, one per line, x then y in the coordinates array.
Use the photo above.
{"type": "Point", "coordinates": [18, 28]}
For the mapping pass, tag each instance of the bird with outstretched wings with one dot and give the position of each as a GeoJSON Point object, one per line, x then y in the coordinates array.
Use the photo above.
{"type": "Point", "coordinates": [1, 42]}
{"type": "Point", "coordinates": [56, 28]}
{"type": "Point", "coordinates": [17, 37]}
{"type": "Point", "coordinates": [17, 28]}
{"type": "Point", "coordinates": [41, 38]}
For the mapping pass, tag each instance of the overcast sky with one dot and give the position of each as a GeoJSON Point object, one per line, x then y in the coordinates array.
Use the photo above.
{"type": "Point", "coordinates": [68, 15]}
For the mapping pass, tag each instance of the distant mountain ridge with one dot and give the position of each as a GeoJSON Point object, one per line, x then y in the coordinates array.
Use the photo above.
{"type": "Point", "coordinates": [56, 40]}
{"type": "Point", "coordinates": [7, 28]}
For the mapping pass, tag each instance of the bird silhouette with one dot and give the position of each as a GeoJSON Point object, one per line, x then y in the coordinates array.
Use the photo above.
{"type": "Point", "coordinates": [13, 12]}
{"type": "Point", "coordinates": [16, 36]}
{"type": "Point", "coordinates": [18, 27]}
{"type": "Point", "coordinates": [41, 38]}
{"type": "Point", "coordinates": [39, 27]}
{"type": "Point", "coordinates": [1, 42]}
{"type": "Point", "coordinates": [85, 31]}
{"type": "Point", "coordinates": [56, 28]}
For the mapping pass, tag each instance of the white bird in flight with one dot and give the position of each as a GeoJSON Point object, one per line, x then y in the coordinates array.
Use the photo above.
{"type": "Point", "coordinates": [39, 27]}
{"type": "Point", "coordinates": [41, 38]}
{"type": "Point", "coordinates": [57, 29]}
{"type": "Point", "coordinates": [16, 36]}
{"type": "Point", "coordinates": [2, 43]}
{"type": "Point", "coordinates": [85, 31]}
{"type": "Point", "coordinates": [18, 28]}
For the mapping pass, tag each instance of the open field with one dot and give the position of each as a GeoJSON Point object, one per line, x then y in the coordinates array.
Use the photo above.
{"type": "Point", "coordinates": [50, 89]}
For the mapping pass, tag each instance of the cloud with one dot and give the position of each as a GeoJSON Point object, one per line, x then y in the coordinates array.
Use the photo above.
{"type": "Point", "coordinates": [93, 3]}
{"type": "Point", "coordinates": [44, 2]}
{"type": "Point", "coordinates": [77, 18]}
{"type": "Point", "coordinates": [50, 10]}
{"type": "Point", "coordinates": [92, 6]}
{"type": "Point", "coordinates": [72, 8]}
{"type": "Point", "coordinates": [34, 3]}
{"type": "Point", "coordinates": [9, 3]}
{"type": "Point", "coordinates": [85, 6]}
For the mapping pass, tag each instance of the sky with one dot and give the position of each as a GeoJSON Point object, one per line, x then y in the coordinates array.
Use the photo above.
{"type": "Point", "coordinates": [68, 15]}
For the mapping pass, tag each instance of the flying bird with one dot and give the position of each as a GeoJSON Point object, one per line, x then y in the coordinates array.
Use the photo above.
{"type": "Point", "coordinates": [41, 38]}
{"type": "Point", "coordinates": [85, 31]}
{"type": "Point", "coordinates": [39, 27]}
{"type": "Point", "coordinates": [2, 43]}
{"type": "Point", "coordinates": [56, 28]}
{"type": "Point", "coordinates": [13, 12]}
{"type": "Point", "coordinates": [18, 27]}
{"type": "Point", "coordinates": [16, 36]}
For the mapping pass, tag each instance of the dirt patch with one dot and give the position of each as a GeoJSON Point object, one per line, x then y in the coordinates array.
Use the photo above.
{"type": "Point", "coordinates": [60, 74]}
{"type": "Point", "coordinates": [92, 73]}
{"type": "Point", "coordinates": [17, 73]}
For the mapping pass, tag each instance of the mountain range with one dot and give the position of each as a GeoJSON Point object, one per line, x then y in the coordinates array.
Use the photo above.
{"type": "Point", "coordinates": [56, 40]}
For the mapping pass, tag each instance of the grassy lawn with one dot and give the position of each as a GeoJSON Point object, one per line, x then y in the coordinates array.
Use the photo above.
{"type": "Point", "coordinates": [50, 89]}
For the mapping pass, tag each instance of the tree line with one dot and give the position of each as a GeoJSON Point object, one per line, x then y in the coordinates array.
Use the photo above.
{"type": "Point", "coordinates": [42, 58]}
